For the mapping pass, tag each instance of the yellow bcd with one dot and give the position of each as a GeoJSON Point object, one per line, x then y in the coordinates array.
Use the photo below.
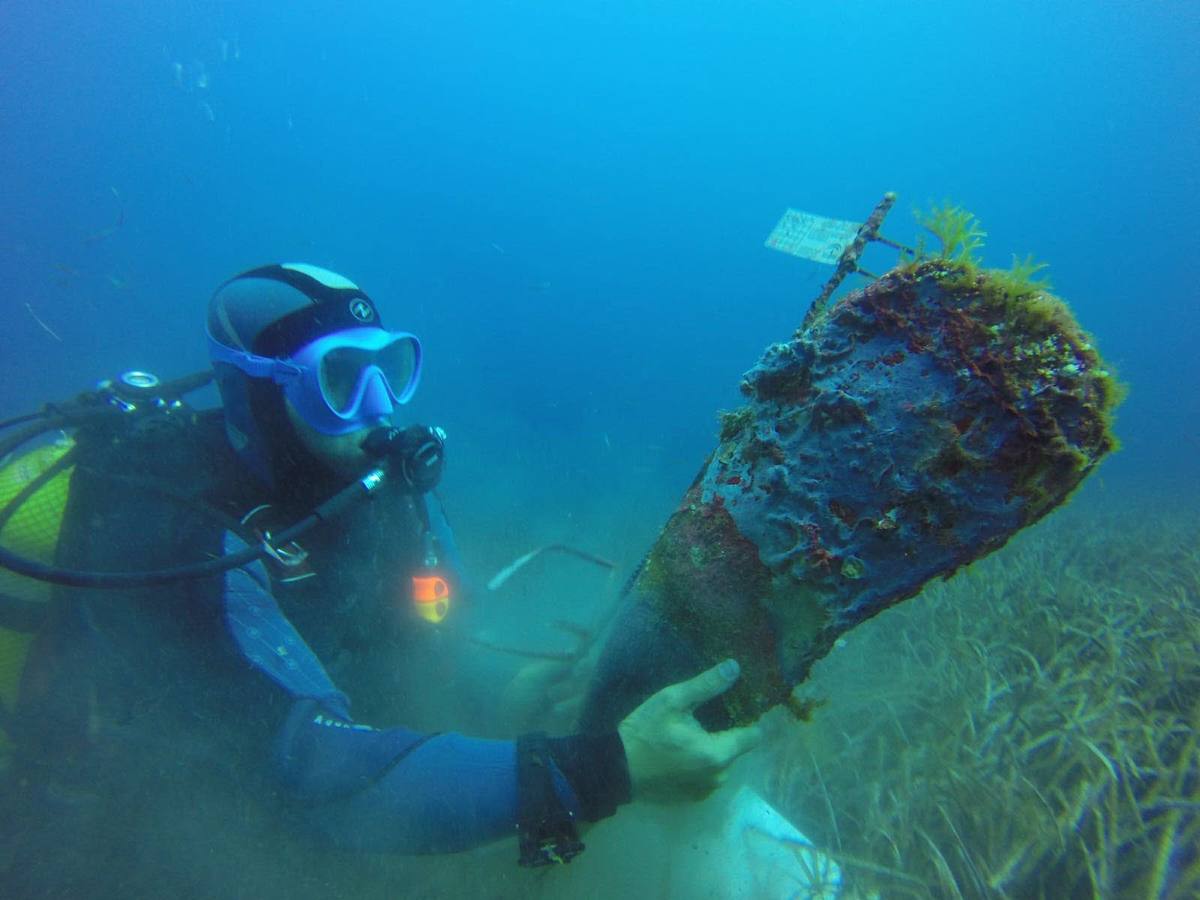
{"type": "Point", "coordinates": [31, 532]}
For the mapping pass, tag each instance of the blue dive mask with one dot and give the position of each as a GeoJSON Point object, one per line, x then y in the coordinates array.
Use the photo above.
{"type": "Point", "coordinates": [342, 381]}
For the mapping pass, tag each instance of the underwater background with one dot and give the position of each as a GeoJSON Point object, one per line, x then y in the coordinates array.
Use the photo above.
{"type": "Point", "coordinates": [567, 202]}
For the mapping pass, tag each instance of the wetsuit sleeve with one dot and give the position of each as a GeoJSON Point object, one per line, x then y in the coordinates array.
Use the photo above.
{"type": "Point", "coordinates": [395, 789]}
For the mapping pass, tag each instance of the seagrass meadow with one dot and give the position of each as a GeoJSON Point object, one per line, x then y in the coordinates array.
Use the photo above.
{"type": "Point", "coordinates": [1027, 729]}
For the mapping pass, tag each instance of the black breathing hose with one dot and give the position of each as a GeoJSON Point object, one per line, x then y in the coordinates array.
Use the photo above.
{"type": "Point", "coordinates": [330, 509]}
{"type": "Point", "coordinates": [416, 453]}
{"type": "Point", "coordinates": [95, 407]}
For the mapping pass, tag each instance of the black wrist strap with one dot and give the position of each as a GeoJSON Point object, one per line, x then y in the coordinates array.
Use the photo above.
{"type": "Point", "coordinates": [546, 828]}
{"type": "Point", "coordinates": [597, 771]}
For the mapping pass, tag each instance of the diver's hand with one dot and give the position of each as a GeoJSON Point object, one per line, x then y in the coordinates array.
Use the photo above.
{"type": "Point", "coordinates": [670, 756]}
{"type": "Point", "coordinates": [546, 694]}
{"type": "Point", "coordinates": [542, 696]}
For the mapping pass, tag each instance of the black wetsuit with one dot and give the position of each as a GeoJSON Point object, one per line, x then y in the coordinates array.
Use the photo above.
{"type": "Point", "coordinates": [164, 733]}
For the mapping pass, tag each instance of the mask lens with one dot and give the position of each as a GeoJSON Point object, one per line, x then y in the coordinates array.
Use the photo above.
{"type": "Point", "coordinates": [397, 361]}
{"type": "Point", "coordinates": [340, 370]}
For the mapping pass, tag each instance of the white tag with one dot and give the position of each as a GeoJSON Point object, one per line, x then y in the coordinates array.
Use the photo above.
{"type": "Point", "coordinates": [812, 237]}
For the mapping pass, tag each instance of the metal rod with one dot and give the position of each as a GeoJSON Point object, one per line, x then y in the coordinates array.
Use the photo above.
{"type": "Point", "coordinates": [896, 245]}
{"type": "Point", "coordinates": [848, 261]}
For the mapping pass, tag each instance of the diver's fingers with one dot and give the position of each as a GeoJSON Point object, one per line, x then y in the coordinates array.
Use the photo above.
{"type": "Point", "coordinates": [561, 690]}
{"type": "Point", "coordinates": [687, 695]}
{"type": "Point", "coordinates": [730, 744]}
{"type": "Point", "coordinates": [569, 706]}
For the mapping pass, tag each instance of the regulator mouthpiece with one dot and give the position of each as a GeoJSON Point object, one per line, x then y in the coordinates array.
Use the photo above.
{"type": "Point", "coordinates": [417, 452]}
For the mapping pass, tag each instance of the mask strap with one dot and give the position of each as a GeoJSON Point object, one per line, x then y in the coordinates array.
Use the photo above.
{"type": "Point", "coordinates": [278, 370]}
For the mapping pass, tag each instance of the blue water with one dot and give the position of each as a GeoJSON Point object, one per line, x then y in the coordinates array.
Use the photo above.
{"type": "Point", "coordinates": [567, 202]}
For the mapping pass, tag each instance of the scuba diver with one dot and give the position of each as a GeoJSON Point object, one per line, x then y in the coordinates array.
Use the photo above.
{"type": "Point", "coordinates": [225, 581]}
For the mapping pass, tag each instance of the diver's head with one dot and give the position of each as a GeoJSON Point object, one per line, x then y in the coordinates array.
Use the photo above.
{"type": "Point", "coordinates": [305, 369]}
